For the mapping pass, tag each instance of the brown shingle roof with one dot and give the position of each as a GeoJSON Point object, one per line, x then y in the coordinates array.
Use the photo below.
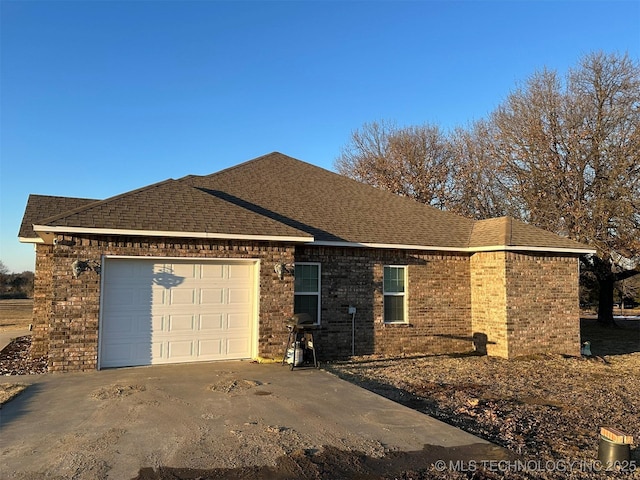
{"type": "Point", "coordinates": [40, 207]}
{"type": "Point", "coordinates": [507, 231]}
{"type": "Point", "coordinates": [171, 206]}
{"type": "Point", "coordinates": [279, 196]}
{"type": "Point", "coordinates": [331, 207]}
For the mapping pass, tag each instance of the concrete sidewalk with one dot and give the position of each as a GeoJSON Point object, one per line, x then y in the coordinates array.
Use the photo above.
{"type": "Point", "coordinates": [111, 423]}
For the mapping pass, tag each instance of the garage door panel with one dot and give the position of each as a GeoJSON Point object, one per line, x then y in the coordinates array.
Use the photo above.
{"type": "Point", "coordinates": [180, 350]}
{"type": "Point", "coordinates": [211, 322]}
{"type": "Point", "coordinates": [164, 312]}
{"type": "Point", "coordinates": [211, 349]}
{"type": "Point", "coordinates": [158, 350]}
{"type": "Point", "coordinates": [235, 346]}
{"type": "Point", "coordinates": [238, 321]}
{"type": "Point", "coordinates": [143, 351]}
{"type": "Point", "coordinates": [158, 324]}
{"type": "Point", "coordinates": [130, 298]}
{"type": "Point", "coordinates": [240, 272]}
{"type": "Point", "coordinates": [129, 272]}
{"type": "Point", "coordinates": [135, 354]}
{"type": "Point", "coordinates": [119, 324]}
{"type": "Point", "coordinates": [239, 295]}
{"type": "Point", "coordinates": [211, 296]}
{"type": "Point", "coordinates": [212, 271]}
{"type": "Point", "coordinates": [158, 295]}
{"type": "Point", "coordinates": [122, 325]}
{"type": "Point", "coordinates": [182, 296]}
{"type": "Point", "coordinates": [184, 270]}
{"type": "Point", "coordinates": [181, 323]}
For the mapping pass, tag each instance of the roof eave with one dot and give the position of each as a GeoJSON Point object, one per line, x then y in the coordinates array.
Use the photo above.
{"type": "Point", "coordinates": [47, 232]}
{"type": "Point", "coordinates": [528, 248]}
{"type": "Point", "coordinates": [492, 248]}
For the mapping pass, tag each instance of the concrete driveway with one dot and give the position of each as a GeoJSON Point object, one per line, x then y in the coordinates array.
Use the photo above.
{"type": "Point", "coordinates": [112, 423]}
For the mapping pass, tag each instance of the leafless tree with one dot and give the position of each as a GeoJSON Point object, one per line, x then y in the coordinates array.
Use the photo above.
{"type": "Point", "coordinates": [478, 188]}
{"type": "Point", "coordinates": [569, 150]}
{"type": "Point", "coordinates": [561, 153]}
{"type": "Point", "coordinates": [416, 162]}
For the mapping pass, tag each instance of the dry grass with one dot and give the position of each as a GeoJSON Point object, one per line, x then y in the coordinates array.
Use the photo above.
{"type": "Point", "coordinates": [10, 390]}
{"type": "Point", "coordinates": [15, 314]}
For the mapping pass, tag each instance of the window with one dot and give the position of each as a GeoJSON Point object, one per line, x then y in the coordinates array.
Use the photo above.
{"type": "Point", "coordinates": [394, 294]}
{"type": "Point", "coordinates": [307, 290]}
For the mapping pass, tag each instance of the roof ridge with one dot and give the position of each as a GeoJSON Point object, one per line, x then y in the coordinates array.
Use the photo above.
{"type": "Point", "coordinates": [62, 197]}
{"type": "Point", "coordinates": [508, 230]}
{"type": "Point", "coordinates": [472, 230]}
{"type": "Point", "coordinates": [239, 165]}
{"type": "Point", "coordinates": [379, 191]}
{"type": "Point", "coordinates": [105, 201]}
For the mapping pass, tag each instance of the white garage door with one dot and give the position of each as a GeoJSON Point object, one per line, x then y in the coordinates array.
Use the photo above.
{"type": "Point", "coordinates": [175, 311]}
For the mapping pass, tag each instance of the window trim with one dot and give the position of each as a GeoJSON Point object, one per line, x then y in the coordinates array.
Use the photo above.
{"type": "Point", "coordinates": [404, 295]}
{"type": "Point", "coordinates": [318, 293]}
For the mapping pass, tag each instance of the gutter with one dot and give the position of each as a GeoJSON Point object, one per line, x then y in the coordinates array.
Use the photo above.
{"type": "Point", "coordinates": [47, 234]}
{"type": "Point", "coordinates": [491, 248]}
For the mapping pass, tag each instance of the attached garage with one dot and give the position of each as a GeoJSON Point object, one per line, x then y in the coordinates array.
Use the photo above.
{"type": "Point", "coordinates": [158, 311]}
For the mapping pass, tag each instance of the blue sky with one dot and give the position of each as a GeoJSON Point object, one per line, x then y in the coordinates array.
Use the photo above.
{"type": "Point", "coordinates": [101, 97]}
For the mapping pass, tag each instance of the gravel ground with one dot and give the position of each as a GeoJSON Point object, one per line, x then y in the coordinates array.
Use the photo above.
{"type": "Point", "coordinates": [16, 360]}
{"type": "Point", "coordinates": [546, 410]}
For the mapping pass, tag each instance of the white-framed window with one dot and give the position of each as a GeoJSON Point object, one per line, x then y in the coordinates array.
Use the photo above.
{"type": "Point", "coordinates": [307, 290]}
{"type": "Point", "coordinates": [395, 298]}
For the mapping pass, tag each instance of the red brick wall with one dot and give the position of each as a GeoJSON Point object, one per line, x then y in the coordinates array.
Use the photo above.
{"type": "Point", "coordinates": [439, 301]}
{"type": "Point", "coordinates": [542, 304]}
{"type": "Point", "coordinates": [489, 302]}
{"type": "Point", "coordinates": [523, 303]}
{"type": "Point", "coordinates": [526, 303]}
{"type": "Point", "coordinates": [42, 300]}
{"type": "Point", "coordinates": [72, 325]}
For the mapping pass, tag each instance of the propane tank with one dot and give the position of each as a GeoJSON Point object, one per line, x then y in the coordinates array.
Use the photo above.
{"type": "Point", "coordinates": [299, 354]}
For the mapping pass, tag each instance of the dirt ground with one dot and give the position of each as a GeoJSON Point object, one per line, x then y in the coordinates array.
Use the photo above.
{"type": "Point", "coordinates": [546, 411]}
{"type": "Point", "coordinates": [15, 314]}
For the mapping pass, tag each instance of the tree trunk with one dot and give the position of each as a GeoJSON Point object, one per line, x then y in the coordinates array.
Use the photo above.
{"type": "Point", "coordinates": [605, 302]}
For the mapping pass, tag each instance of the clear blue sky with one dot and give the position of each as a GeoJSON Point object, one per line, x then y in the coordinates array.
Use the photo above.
{"type": "Point", "coordinates": [101, 97]}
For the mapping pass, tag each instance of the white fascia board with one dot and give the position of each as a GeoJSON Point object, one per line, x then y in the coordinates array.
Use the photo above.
{"type": "Point", "coordinates": [515, 248]}
{"type": "Point", "coordinates": [44, 230]}
{"type": "Point", "coordinates": [494, 248]}
{"type": "Point", "coordinates": [30, 240]}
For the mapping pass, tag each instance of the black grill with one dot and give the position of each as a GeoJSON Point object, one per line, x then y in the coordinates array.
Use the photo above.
{"type": "Point", "coordinates": [301, 336]}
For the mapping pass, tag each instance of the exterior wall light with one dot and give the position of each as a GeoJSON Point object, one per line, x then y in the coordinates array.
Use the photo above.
{"type": "Point", "coordinates": [282, 268]}
{"type": "Point", "coordinates": [80, 266]}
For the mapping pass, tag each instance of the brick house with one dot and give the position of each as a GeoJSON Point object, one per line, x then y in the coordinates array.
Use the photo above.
{"type": "Point", "coordinates": [211, 267]}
